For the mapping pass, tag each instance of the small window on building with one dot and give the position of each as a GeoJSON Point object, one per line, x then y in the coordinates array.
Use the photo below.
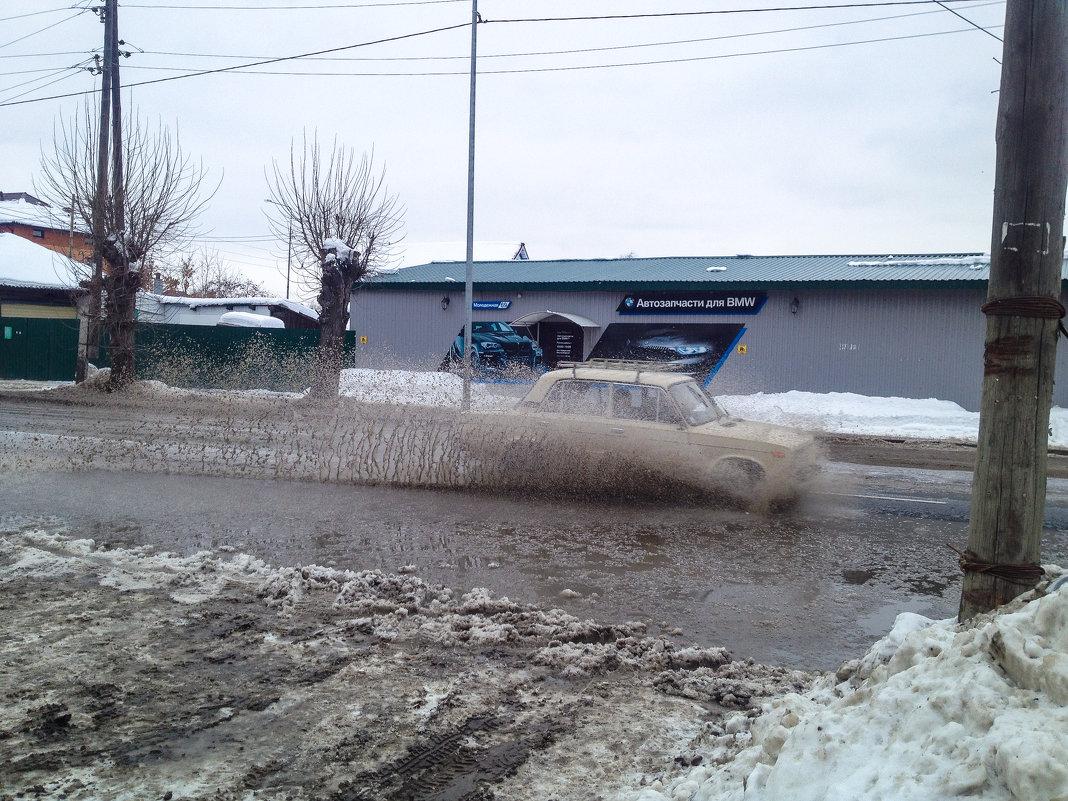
{"type": "Point", "coordinates": [38, 233]}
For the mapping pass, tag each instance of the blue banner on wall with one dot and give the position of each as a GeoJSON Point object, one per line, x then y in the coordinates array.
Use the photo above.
{"type": "Point", "coordinates": [697, 302]}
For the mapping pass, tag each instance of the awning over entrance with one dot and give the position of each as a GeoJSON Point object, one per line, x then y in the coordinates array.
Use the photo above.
{"type": "Point", "coordinates": [557, 317]}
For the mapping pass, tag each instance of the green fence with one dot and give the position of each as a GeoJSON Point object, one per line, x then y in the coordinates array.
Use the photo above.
{"type": "Point", "coordinates": [222, 357]}
{"type": "Point", "coordinates": [38, 349]}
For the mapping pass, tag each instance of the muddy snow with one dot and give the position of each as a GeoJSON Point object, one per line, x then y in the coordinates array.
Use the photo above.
{"type": "Point", "coordinates": [135, 674]}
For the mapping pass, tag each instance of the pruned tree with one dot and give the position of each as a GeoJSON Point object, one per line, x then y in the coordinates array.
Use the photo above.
{"type": "Point", "coordinates": [343, 223]}
{"type": "Point", "coordinates": [205, 275]}
{"type": "Point", "coordinates": [148, 212]}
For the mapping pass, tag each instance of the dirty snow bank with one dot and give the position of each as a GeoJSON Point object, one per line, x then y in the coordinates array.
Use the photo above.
{"type": "Point", "coordinates": [933, 711]}
{"type": "Point", "coordinates": [848, 413]}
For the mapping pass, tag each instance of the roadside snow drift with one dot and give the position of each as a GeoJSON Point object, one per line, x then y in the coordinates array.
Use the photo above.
{"type": "Point", "coordinates": [934, 711]}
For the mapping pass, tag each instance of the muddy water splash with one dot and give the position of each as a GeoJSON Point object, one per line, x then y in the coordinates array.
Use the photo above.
{"type": "Point", "coordinates": [154, 429]}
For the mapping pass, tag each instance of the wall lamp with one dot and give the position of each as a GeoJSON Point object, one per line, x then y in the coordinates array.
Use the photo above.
{"type": "Point", "coordinates": [445, 303]}
{"type": "Point", "coordinates": [795, 304]}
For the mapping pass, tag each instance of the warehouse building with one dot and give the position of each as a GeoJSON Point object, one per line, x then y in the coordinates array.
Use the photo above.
{"type": "Point", "coordinates": [886, 326]}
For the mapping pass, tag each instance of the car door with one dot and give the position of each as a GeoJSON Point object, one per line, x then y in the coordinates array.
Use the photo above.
{"type": "Point", "coordinates": [647, 426]}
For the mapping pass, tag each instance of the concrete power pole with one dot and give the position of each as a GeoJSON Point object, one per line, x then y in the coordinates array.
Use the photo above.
{"type": "Point", "coordinates": [1023, 308]}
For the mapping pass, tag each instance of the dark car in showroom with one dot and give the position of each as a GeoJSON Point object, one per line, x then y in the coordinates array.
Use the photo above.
{"type": "Point", "coordinates": [496, 347]}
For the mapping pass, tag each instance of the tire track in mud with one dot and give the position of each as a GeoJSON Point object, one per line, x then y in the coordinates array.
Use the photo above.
{"type": "Point", "coordinates": [130, 673]}
{"type": "Point", "coordinates": [460, 764]}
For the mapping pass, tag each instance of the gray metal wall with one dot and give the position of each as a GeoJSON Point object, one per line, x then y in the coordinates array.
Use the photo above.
{"type": "Point", "coordinates": [911, 343]}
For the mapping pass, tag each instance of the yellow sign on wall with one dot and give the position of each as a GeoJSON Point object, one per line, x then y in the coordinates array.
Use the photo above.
{"type": "Point", "coordinates": [743, 348]}
{"type": "Point", "coordinates": [363, 340]}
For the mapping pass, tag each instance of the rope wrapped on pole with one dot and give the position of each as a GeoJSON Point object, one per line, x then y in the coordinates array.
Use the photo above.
{"type": "Point", "coordinates": [1026, 575]}
{"type": "Point", "coordinates": [1039, 306]}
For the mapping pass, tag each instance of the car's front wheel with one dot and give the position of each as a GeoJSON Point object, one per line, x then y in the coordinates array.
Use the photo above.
{"type": "Point", "coordinates": [742, 480]}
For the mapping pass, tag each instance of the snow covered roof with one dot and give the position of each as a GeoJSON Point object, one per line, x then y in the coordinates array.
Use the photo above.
{"type": "Point", "coordinates": [36, 214]}
{"type": "Point", "coordinates": [26, 264]}
{"type": "Point", "coordinates": [194, 303]}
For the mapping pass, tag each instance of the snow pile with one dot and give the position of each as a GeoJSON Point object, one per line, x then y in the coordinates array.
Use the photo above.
{"type": "Point", "coordinates": [42, 553]}
{"type": "Point", "coordinates": [848, 413]}
{"type": "Point", "coordinates": [979, 710]}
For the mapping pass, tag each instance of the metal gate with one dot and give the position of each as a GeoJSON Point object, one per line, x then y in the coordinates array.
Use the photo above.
{"type": "Point", "coordinates": [38, 349]}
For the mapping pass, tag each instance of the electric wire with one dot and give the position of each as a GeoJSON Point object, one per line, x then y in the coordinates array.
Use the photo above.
{"type": "Point", "coordinates": [68, 72]}
{"type": "Point", "coordinates": [35, 13]}
{"type": "Point", "coordinates": [236, 67]}
{"type": "Point", "coordinates": [974, 25]}
{"type": "Point", "coordinates": [716, 12]}
{"type": "Point", "coordinates": [247, 67]}
{"type": "Point", "coordinates": [42, 30]}
{"type": "Point", "coordinates": [573, 51]}
{"type": "Point", "coordinates": [574, 68]}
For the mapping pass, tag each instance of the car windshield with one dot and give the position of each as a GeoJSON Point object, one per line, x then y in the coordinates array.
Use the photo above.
{"type": "Point", "coordinates": [695, 404]}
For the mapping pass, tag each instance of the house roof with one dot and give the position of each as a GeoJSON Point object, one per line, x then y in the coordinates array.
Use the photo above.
{"type": "Point", "coordinates": [697, 272]}
{"type": "Point", "coordinates": [26, 264]}
{"type": "Point", "coordinates": [193, 303]}
{"type": "Point", "coordinates": [32, 212]}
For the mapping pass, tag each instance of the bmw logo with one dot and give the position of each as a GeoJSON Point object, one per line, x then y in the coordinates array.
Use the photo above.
{"type": "Point", "coordinates": [628, 302]}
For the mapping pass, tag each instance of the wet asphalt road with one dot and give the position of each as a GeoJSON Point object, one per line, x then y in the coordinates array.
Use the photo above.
{"type": "Point", "coordinates": [808, 590]}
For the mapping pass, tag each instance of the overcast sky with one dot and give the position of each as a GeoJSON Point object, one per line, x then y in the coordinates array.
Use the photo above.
{"type": "Point", "coordinates": [847, 130]}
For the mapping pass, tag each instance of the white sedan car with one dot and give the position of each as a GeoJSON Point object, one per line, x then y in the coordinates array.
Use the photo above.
{"type": "Point", "coordinates": [631, 428]}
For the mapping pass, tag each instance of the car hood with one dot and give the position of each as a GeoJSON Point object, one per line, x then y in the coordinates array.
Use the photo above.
{"type": "Point", "coordinates": [778, 436]}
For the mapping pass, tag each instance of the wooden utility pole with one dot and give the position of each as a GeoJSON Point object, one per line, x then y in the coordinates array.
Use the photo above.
{"type": "Point", "coordinates": [90, 347]}
{"type": "Point", "coordinates": [1023, 308]}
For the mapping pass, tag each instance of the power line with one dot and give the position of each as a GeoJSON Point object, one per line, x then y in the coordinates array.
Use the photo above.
{"type": "Point", "coordinates": [47, 55]}
{"type": "Point", "coordinates": [522, 70]}
{"type": "Point", "coordinates": [36, 13]}
{"type": "Point", "coordinates": [979, 27]}
{"type": "Point", "coordinates": [68, 73]}
{"type": "Point", "coordinates": [573, 51]}
{"type": "Point", "coordinates": [247, 68]}
{"type": "Point", "coordinates": [720, 12]}
{"type": "Point", "coordinates": [45, 28]}
{"type": "Point", "coordinates": [259, 63]}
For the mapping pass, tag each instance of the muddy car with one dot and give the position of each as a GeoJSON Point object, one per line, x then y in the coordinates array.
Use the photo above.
{"type": "Point", "coordinates": [633, 429]}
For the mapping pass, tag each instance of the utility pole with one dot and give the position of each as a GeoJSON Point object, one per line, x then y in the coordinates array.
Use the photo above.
{"type": "Point", "coordinates": [90, 350]}
{"type": "Point", "coordinates": [1023, 308]}
{"type": "Point", "coordinates": [117, 188]}
{"type": "Point", "coordinates": [465, 399]}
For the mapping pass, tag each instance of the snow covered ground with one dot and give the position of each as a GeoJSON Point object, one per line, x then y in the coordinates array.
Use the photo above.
{"type": "Point", "coordinates": [834, 412]}
{"type": "Point", "coordinates": [935, 710]}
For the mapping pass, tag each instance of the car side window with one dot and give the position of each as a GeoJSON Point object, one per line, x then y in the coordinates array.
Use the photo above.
{"type": "Point", "coordinates": [651, 404]}
{"type": "Point", "coordinates": [588, 398]}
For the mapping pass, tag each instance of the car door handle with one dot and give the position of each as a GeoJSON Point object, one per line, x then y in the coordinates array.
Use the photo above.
{"type": "Point", "coordinates": [617, 430]}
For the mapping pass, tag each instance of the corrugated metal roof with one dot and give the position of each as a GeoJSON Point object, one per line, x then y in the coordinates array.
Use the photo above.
{"type": "Point", "coordinates": [697, 271]}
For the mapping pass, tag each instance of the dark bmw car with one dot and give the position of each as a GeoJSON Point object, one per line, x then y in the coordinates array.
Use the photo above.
{"type": "Point", "coordinates": [495, 346]}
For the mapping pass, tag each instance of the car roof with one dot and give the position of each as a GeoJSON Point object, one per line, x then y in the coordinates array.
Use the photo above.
{"type": "Point", "coordinates": [619, 372]}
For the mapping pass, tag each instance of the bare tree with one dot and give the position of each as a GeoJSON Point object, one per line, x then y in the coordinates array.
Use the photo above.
{"type": "Point", "coordinates": [344, 223]}
{"type": "Point", "coordinates": [148, 213]}
{"type": "Point", "coordinates": [204, 275]}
